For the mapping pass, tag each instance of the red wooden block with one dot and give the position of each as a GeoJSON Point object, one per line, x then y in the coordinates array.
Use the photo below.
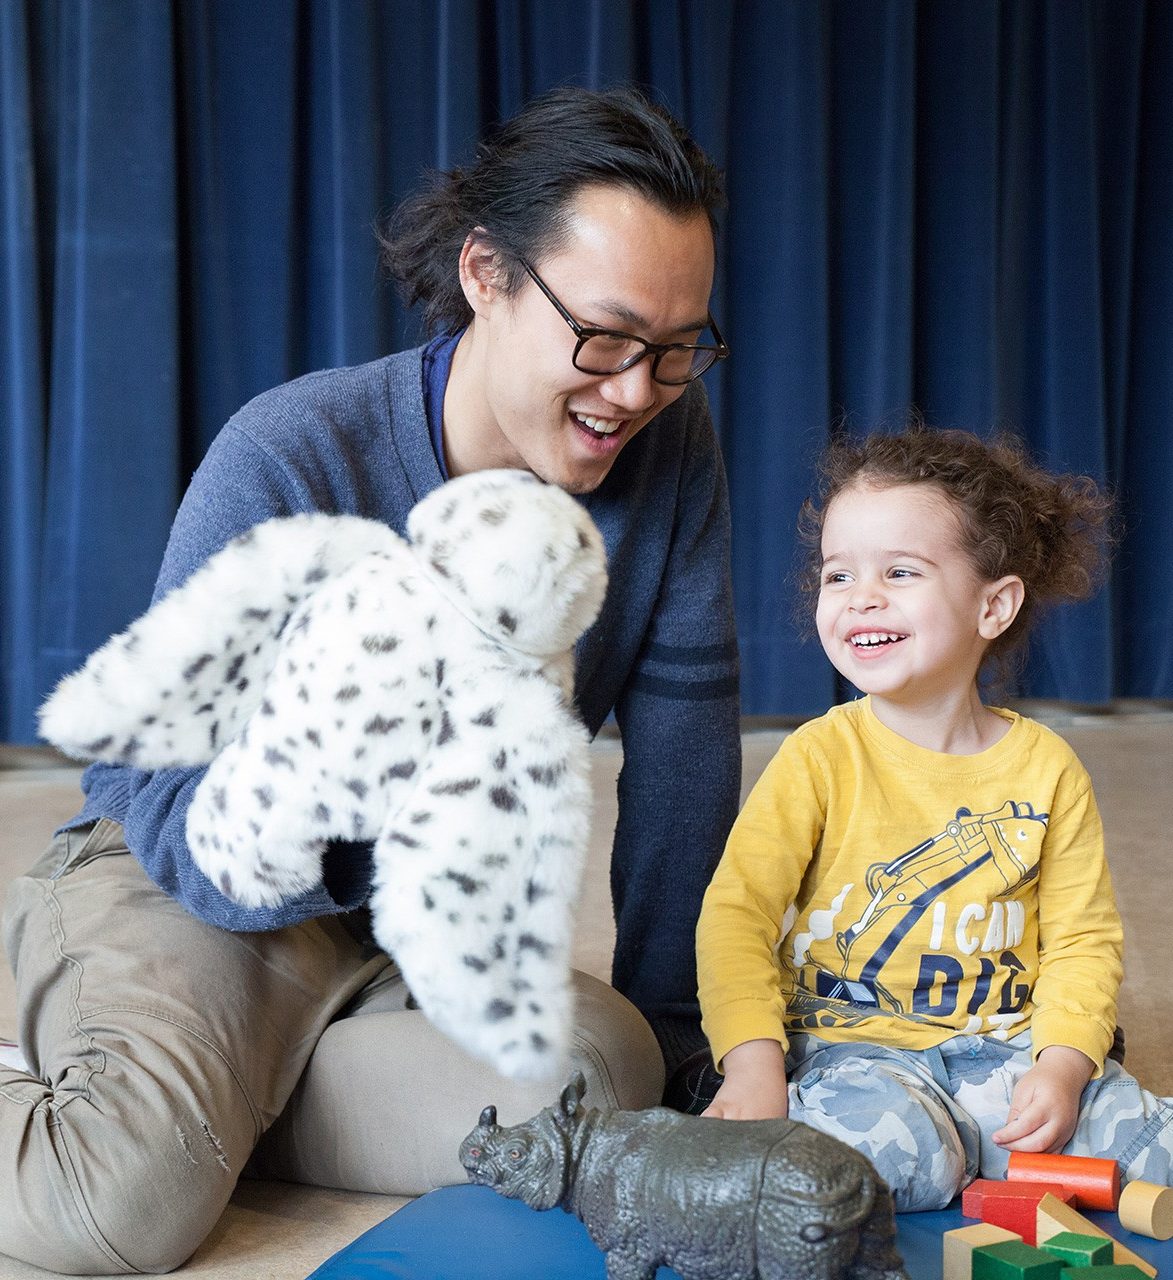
{"type": "Point", "coordinates": [1094, 1182]}
{"type": "Point", "coordinates": [1012, 1205]}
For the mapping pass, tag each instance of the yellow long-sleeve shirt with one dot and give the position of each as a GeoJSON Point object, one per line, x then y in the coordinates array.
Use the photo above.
{"type": "Point", "coordinates": [876, 891]}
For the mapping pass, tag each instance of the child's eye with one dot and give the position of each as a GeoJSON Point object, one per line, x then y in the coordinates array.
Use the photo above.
{"type": "Point", "coordinates": [903, 573]}
{"type": "Point", "coordinates": [834, 578]}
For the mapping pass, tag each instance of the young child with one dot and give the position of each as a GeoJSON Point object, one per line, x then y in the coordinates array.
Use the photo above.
{"type": "Point", "coordinates": [911, 941]}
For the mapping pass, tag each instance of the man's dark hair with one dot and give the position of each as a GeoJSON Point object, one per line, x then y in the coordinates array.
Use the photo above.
{"type": "Point", "coordinates": [522, 180]}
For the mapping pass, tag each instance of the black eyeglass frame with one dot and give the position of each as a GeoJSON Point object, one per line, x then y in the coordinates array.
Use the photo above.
{"type": "Point", "coordinates": [657, 350]}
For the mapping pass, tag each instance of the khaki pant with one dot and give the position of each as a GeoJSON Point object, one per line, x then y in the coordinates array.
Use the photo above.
{"type": "Point", "coordinates": [162, 1051]}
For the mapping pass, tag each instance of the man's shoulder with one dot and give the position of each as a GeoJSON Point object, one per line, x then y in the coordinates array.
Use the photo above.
{"type": "Point", "coordinates": [347, 393]}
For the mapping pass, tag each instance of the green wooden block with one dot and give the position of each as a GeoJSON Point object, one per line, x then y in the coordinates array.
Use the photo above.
{"type": "Point", "coordinates": [1079, 1251]}
{"type": "Point", "coordinates": [1013, 1260]}
{"type": "Point", "coordinates": [1113, 1271]}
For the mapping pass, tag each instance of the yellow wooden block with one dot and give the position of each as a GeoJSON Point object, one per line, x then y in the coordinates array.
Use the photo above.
{"type": "Point", "coordinates": [1147, 1209]}
{"type": "Point", "coordinates": [1054, 1216]}
{"type": "Point", "coordinates": [958, 1246]}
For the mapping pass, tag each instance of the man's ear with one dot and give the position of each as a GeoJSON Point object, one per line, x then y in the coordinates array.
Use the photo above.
{"type": "Point", "coordinates": [1001, 602]}
{"type": "Point", "coordinates": [480, 271]}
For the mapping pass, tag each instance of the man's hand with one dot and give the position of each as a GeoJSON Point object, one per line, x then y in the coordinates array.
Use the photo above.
{"type": "Point", "coordinates": [755, 1083]}
{"type": "Point", "coordinates": [1044, 1107]}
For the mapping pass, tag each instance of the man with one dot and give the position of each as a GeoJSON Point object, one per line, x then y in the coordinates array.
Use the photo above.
{"type": "Point", "coordinates": [568, 273]}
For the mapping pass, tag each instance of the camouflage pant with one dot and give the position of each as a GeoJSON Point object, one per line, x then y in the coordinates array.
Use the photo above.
{"type": "Point", "coordinates": [924, 1117]}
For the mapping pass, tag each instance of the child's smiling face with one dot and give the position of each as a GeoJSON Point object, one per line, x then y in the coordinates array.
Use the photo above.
{"type": "Point", "coordinates": [901, 612]}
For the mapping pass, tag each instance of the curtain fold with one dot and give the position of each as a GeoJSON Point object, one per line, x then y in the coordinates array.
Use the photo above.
{"type": "Point", "coordinates": [956, 208]}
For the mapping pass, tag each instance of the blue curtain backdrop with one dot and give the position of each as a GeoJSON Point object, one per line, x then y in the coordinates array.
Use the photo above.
{"type": "Point", "coordinates": [965, 207]}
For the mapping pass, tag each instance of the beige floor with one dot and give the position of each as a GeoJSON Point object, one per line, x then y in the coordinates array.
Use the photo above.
{"type": "Point", "coordinates": [276, 1231]}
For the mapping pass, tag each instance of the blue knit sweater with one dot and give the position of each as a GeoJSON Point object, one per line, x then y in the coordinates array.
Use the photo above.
{"type": "Point", "coordinates": [662, 655]}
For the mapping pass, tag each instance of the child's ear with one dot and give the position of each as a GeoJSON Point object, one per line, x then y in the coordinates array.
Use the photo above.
{"type": "Point", "coordinates": [1001, 602]}
{"type": "Point", "coordinates": [479, 272]}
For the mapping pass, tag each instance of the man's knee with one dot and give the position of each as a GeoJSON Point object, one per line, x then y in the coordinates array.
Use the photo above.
{"type": "Point", "coordinates": [92, 1202]}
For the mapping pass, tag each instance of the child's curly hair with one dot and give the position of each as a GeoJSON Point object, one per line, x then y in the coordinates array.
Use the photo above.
{"type": "Point", "coordinates": [1052, 531]}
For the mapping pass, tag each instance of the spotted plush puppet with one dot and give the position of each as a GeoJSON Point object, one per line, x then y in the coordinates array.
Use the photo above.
{"type": "Point", "coordinates": [343, 683]}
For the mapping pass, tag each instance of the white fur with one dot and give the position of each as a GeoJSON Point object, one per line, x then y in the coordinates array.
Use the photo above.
{"type": "Point", "coordinates": [411, 694]}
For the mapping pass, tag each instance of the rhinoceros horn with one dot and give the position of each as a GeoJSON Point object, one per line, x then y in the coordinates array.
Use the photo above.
{"type": "Point", "coordinates": [488, 1117]}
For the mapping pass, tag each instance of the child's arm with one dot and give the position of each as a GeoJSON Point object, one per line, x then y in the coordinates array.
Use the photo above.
{"type": "Point", "coordinates": [1044, 1106]}
{"type": "Point", "coordinates": [742, 1003]}
{"type": "Point", "coordinates": [755, 1083]}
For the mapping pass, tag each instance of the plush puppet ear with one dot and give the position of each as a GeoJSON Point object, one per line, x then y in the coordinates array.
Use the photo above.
{"type": "Point", "coordinates": [180, 681]}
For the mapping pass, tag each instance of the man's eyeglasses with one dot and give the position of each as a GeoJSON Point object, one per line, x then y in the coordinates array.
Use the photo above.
{"type": "Point", "coordinates": [607, 351]}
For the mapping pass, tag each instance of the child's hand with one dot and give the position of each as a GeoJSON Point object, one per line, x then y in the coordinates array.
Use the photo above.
{"type": "Point", "coordinates": [755, 1083]}
{"type": "Point", "coordinates": [1044, 1107]}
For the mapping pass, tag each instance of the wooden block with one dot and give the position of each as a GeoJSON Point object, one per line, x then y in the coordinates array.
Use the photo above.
{"type": "Point", "coordinates": [1147, 1209]}
{"type": "Point", "coordinates": [1054, 1216]}
{"type": "Point", "coordinates": [983, 1189]}
{"type": "Point", "coordinates": [1111, 1271]}
{"type": "Point", "coordinates": [1079, 1250]}
{"type": "Point", "coordinates": [1011, 1205]}
{"type": "Point", "coordinates": [957, 1247]}
{"type": "Point", "coordinates": [1013, 1260]}
{"type": "Point", "coordinates": [1094, 1182]}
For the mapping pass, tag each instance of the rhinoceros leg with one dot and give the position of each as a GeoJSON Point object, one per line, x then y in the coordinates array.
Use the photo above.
{"type": "Point", "coordinates": [876, 1257]}
{"type": "Point", "coordinates": [627, 1265]}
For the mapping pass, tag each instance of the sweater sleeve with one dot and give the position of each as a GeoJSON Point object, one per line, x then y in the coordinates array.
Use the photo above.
{"type": "Point", "coordinates": [678, 715]}
{"type": "Point", "coordinates": [1080, 935]}
{"type": "Point", "coordinates": [236, 486]}
{"type": "Point", "coordinates": [759, 877]}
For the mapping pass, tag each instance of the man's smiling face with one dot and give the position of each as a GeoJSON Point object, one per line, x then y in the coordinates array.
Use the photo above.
{"type": "Point", "coordinates": [624, 264]}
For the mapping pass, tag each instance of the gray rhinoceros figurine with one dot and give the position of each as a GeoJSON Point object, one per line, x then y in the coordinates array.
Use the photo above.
{"type": "Point", "coordinates": [714, 1199]}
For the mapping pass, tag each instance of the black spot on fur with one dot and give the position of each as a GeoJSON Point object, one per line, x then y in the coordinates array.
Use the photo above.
{"type": "Point", "coordinates": [475, 963]}
{"type": "Point", "coordinates": [428, 900]}
{"type": "Point", "coordinates": [425, 726]}
{"type": "Point", "coordinates": [459, 787]}
{"type": "Point", "coordinates": [498, 1010]}
{"type": "Point", "coordinates": [98, 745]}
{"type": "Point", "coordinates": [439, 672]}
{"type": "Point", "coordinates": [303, 693]}
{"type": "Point", "coordinates": [190, 672]}
{"type": "Point", "coordinates": [404, 769]}
{"type": "Point", "coordinates": [220, 798]}
{"type": "Point", "coordinates": [547, 775]}
{"type": "Point", "coordinates": [419, 819]}
{"type": "Point", "coordinates": [316, 574]}
{"type": "Point", "coordinates": [226, 884]}
{"type": "Point", "coordinates": [347, 693]}
{"type": "Point", "coordinates": [204, 709]}
{"type": "Point", "coordinates": [149, 720]}
{"type": "Point", "coordinates": [234, 668]}
{"type": "Point", "coordinates": [539, 1042]}
{"type": "Point", "coordinates": [500, 760]}
{"type": "Point", "coordinates": [504, 799]}
{"type": "Point", "coordinates": [493, 515]}
{"type": "Point", "coordinates": [380, 724]}
{"type": "Point", "coordinates": [466, 884]}
{"type": "Point", "coordinates": [583, 540]}
{"type": "Point", "coordinates": [264, 797]}
{"type": "Point", "coordinates": [357, 787]}
{"type": "Point", "coordinates": [447, 732]}
{"type": "Point", "coordinates": [256, 615]}
{"type": "Point", "coordinates": [440, 567]}
{"type": "Point", "coordinates": [314, 737]}
{"type": "Point", "coordinates": [530, 942]}
{"type": "Point", "coordinates": [267, 708]}
{"type": "Point", "coordinates": [399, 837]}
{"type": "Point", "coordinates": [275, 757]}
{"type": "Point", "coordinates": [487, 718]}
{"type": "Point", "coordinates": [506, 621]}
{"type": "Point", "coordinates": [380, 644]}
{"type": "Point", "coordinates": [322, 812]}
{"type": "Point", "coordinates": [534, 891]}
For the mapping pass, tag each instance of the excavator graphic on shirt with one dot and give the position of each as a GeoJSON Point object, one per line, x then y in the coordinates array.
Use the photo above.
{"type": "Point", "coordinates": [903, 889]}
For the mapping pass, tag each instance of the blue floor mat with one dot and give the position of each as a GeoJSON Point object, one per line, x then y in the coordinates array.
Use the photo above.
{"type": "Point", "coordinates": [471, 1233]}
